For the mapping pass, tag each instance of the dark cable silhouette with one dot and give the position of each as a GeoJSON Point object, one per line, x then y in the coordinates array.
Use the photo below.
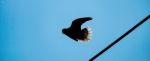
{"type": "Point", "coordinates": [75, 32]}
{"type": "Point", "coordinates": [120, 38]}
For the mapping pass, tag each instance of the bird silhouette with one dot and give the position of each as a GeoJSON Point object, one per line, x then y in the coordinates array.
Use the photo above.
{"type": "Point", "coordinates": [76, 33]}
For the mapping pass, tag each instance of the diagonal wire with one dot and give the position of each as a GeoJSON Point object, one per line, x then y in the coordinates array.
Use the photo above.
{"type": "Point", "coordinates": [120, 38]}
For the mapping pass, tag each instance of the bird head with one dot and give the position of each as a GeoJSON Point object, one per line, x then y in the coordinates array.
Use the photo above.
{"type": "Point", "coordinates": [64, 31]}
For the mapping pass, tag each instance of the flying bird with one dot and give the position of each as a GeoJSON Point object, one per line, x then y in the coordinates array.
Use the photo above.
{"type": "Point", "coordinates": [76, 33]}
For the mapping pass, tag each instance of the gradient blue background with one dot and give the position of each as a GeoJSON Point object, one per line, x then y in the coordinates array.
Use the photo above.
{"type": "Point", "coordinates": [30, 30]}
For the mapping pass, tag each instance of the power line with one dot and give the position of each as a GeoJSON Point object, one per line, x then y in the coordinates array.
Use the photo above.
{"type": "Point", "coordinates": [120, 38]}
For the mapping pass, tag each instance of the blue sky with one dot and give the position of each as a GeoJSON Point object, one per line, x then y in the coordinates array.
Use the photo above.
{"type": "Point", "coordinates": [30, 30]}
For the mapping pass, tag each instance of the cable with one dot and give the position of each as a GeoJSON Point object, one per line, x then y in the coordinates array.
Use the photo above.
{"type": "Point", "coordinates": [120, 38]}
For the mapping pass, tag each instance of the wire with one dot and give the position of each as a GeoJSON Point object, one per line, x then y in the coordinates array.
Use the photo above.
{"type": "Point", "coordinates": [120, 38]}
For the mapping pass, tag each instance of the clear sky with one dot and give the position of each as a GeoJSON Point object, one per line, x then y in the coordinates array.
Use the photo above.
{"type": "Point", "coordinates": [30, 30]}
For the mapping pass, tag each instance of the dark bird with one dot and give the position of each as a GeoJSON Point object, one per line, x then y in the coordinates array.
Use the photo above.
{"type": "Point", "coordinates": [76, 33]}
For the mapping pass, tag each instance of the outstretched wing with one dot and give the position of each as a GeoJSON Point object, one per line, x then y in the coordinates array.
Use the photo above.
{"type": "Point", "coordinates": [76, 24]}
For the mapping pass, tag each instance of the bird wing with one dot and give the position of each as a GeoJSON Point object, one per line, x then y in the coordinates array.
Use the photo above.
{"type": "Point", "coordinates": [76, 24]}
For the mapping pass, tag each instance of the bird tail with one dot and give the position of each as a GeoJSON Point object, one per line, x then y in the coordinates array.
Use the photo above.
{"type": "Point", "coordinates": [87, 33]}
{"type": "Point", "coordinates": [89, 36]}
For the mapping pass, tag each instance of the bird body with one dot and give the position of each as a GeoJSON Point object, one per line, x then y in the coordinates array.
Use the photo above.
{"type": "Point", "coordinates": [75, 32]}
